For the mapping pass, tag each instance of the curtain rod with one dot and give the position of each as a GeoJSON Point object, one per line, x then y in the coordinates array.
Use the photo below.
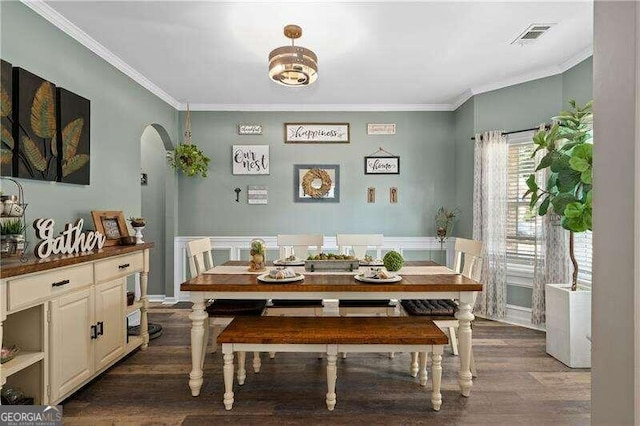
{"type": "Point", "coordinates": [546, 126]}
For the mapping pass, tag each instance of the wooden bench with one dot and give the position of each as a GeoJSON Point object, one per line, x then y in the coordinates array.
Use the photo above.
{"type": "Point", "coordinates": [332, 335]}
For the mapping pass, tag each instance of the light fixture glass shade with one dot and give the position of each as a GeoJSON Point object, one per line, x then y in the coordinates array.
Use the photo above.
{"type": "Point", "coordinates": [293, 65]}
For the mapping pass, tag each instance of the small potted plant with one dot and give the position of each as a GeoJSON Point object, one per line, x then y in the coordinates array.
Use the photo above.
{"type": "Point", "coordinates": [11, 236]}
{"type": "Point", "coordinates": [445, 219]}
{"type": "Point", "coordinates": [138, 224]}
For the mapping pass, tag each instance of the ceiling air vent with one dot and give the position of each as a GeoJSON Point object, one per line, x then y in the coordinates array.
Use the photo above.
{"type": "Point", "coordinates": [531, 34]}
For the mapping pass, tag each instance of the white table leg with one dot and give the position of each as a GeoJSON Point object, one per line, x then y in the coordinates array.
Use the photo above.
{"type": "Point", "coordinates": [436, 377]}
{"type": "Point", "coordinates": [332, 375]}
{"type": "Point", "coordinates": [423, 369]}
{"type": "Point", "coordinates": [464, 316]}
{"type": "Point", "coordinates": [414, 364]}
{"type": "Point", "coordinates": [257, 362]}
{"type": "Point", "coordinates": [197, 317]}
{"type": "Point", "coordinates": [227, 350]}
{"type": "Point", "coordinates": [144, 322]}
{"type": "Point", "coordinates": [205, 342]}
{"type": "Point", "coordinates": [242, 373]}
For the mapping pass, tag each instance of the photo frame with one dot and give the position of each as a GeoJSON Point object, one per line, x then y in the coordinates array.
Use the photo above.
{"type": "Point", "coordinates": [316, 132]}
{"type": "Point", "coordinates": [382, 165]}
{"type": "Point", "coordinates": [316, 183]}
{"type": "Point", "coordinates": [111, 224]}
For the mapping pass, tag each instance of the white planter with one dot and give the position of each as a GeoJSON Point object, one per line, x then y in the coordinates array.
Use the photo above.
{"type": "Point", "coordinates": [568, 324]}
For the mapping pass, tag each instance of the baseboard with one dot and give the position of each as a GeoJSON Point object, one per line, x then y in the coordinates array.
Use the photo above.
{"type": "Point", "coordinates": [161, 298]}
{"type": "Point", "coordinates": [517, 315]}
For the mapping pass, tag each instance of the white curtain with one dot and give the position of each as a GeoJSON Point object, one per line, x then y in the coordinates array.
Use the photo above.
{"type": "Point", "coordinates": [552, 262]}
{"type": "Point", "coordinates": [491, 159]}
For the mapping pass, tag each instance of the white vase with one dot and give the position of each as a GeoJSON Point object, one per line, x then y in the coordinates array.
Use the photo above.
{"type": "Point", "coordinates": [138, 230]}
{"type": "Point", "coordinates": [569, 324]}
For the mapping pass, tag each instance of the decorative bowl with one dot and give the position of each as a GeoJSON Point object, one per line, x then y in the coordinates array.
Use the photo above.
{"type": "Point", "coordinates": [128, 240]}
{"type": "Point", "coordinates": [7, 354]}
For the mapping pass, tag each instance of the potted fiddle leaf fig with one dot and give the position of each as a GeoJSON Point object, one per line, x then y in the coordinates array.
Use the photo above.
{"type": "Point", "coordinates": [567, 194]}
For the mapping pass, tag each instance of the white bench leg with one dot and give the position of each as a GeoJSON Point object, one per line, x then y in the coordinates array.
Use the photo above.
{"type": "Point", "coordinates": [242, 373]}
{"type": "Point", "coordinates": [414, 364]}
{"type": "Point", "coordinates": [257, 362]}
{"type": "Point", "coordinates": [436, 377]}
{"type": "Point", "coordinates": [392, 355]}
{"type": "Point", "coordinates": [332, 375]}
{"type": "Point", "coordinates": [344, 355]}
{"type": "Point", "coordinates": [453, 340]}
{"type": "Point", "coordinates": [228, 377]}
{"type": "Point", "coordinates": [272, 355]}
{"type": "Point", "coordinates": [423, 369]}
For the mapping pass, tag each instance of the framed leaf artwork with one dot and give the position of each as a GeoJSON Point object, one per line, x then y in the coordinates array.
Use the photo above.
{"type": "Point", "coordinates": [35, 130]}
{"type": "Point", "coordinates": [74, 114]}
{"type": "Point", "coordinates": [6, 119]}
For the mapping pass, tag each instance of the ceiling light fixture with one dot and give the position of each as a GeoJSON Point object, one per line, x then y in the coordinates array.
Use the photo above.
{"type": "Point", "coordinates": [293, 65]}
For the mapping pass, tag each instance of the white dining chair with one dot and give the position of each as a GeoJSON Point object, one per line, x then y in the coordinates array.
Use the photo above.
{"type": "Point", "coordinates": [468, 262]}
{"type": "Point", "coordinates": [358, 245]}
{"type": "Point", "coordinates": [221, 312]}
{"type": "Point", "coordinates": [301, 246]}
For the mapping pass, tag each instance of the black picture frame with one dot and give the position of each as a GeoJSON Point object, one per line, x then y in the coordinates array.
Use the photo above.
{"type": "Point", "coordinates": [373, 162]}
{"type": "Point", "coordinates": [298, 193]}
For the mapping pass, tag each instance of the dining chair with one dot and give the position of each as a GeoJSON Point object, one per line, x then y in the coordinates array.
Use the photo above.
{"type": "Point", "coordinates": [468, 262]}
{"type": "Point", "coordinates": [300, 246]}
{"type": "Point", "coordinates": [358, 245]}
{"type": "Point", "coordinates": [221, 312]}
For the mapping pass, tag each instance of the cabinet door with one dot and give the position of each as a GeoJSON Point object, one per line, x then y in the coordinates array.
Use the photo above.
{"type": "Point", "coordinates": [110, 306]}
{"type": "Point", "coordinates": [70, 340]}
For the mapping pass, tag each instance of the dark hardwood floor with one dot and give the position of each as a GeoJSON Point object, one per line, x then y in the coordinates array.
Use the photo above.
{"type": "Point", "coordinates": [517, 384]}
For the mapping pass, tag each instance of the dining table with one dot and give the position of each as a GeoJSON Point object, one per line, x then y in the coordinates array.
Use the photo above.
{"type": "Point", "coordinates": [420, 280]}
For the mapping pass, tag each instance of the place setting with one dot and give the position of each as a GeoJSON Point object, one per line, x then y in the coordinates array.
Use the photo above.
{"type": "Point", "coordinates": [281, 276]}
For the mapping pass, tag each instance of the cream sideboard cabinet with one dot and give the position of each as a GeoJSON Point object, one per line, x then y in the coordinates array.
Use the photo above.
{"type": "Point", "coordinates": [68, 317]}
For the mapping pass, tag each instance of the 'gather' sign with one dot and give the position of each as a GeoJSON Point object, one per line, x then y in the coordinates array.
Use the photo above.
{"type": "Point", "coordinates": [71, 240]}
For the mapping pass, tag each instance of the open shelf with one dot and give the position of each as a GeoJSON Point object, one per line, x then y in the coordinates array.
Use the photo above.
{"type": "Point", "coordinates": [132, 308]}
{"type": "Point", "coordinates": [23, 360]}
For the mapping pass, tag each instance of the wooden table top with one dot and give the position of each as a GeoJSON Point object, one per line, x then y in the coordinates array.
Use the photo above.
{"type": "Point", "coordinates": [333, 330]}
{"type": "Point", "coordinates": [331, 283]}
{"type": "Point", "coordinates": [12, 266]}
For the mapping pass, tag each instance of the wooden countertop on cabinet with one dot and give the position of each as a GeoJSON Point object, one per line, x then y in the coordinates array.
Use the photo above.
{"type": "Point", "coordinates": [10, 267]}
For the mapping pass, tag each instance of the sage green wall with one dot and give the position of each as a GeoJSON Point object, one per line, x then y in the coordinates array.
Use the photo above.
{"type": "Point", "coordinates": [577, 83]}
{"type": "Point", "coordinates": [424, 141]}
{"type": "Point", "coordinates": [464, 128]}
{"type": "Point", "coordinates": [120, 111]}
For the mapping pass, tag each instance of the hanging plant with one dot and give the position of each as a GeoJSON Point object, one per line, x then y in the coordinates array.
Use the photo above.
{"type": "Point", "coordinates": [190, 160]}
{"type": "Point", "coordinates": [187, 157]}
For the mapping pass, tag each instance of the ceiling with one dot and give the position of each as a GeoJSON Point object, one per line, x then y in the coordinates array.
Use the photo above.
{"type": "Point", "coordinates": [382, 55]}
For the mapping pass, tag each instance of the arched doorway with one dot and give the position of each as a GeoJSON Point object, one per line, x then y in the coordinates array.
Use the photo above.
{"type": "Point", "coordinates": [158, 207]}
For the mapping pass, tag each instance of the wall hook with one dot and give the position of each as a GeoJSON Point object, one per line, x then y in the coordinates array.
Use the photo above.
{"type": "Point", "coordinates": [237, 194]}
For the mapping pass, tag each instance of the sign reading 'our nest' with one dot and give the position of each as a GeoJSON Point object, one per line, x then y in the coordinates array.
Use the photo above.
{"type": "Point", "coordinates": [71, 240]}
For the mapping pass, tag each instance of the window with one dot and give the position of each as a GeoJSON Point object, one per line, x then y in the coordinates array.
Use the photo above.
{"type": "Point", "coordinates": [523, 226]}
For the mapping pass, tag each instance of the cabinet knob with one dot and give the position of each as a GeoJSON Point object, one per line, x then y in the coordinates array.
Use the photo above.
{"type": "Point", "coordinates": [60, 283]}
{"type": "Point", "coordinates": [123, 266]}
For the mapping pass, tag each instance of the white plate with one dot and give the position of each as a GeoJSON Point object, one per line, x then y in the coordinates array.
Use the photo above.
{"type": "Point", "coordinates": [267, 279]}
{"type": "Point", "coordinates": [283, 262]}
{"type": "Point", "coordinates": [361, 277]}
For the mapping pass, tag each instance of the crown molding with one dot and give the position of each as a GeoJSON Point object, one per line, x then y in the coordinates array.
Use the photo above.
{"type": "Point", "coordinates": [69, 28]}
{"type": "Point", "coordinates": [66, 26]}
{"type": "Point", "coordinates": [318, 107]}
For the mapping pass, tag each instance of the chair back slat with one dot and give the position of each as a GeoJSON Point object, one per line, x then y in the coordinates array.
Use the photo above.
{"type": "Point", "coordinates": [200, 258]}
{"type": "Point", "coordinates": [468, 258]}
{"type": "Point", "coordinates": [359, 243]}
{"type": "Point", "coordinates": [299, 245]}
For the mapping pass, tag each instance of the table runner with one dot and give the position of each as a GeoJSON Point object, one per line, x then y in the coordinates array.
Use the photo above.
{"type": "Point", "coordinates": [406, 270]}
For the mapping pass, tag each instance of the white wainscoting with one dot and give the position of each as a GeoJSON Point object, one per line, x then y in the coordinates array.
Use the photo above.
{"type": "Point", "coordinates": [236, 245]}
